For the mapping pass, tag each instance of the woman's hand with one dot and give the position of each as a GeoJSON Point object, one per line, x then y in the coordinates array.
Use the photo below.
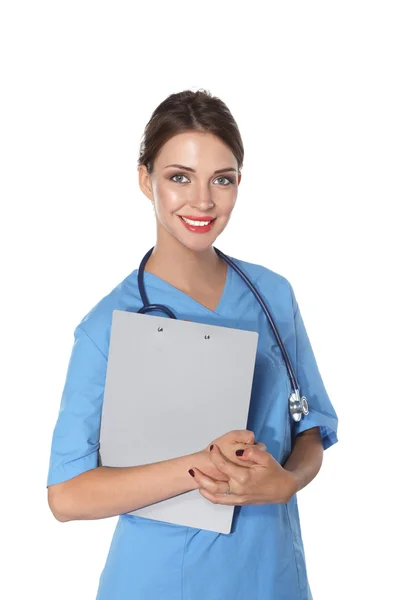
{"type": "Point", "coordinates": [239, 439]}
{"type": "Point", "coordinates": [229, 443]}
{"type": "Point", "coordinates": [261, 481]}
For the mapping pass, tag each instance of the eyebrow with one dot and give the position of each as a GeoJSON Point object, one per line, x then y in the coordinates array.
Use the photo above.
{"type": "Point", "coordinates": [194, 170]}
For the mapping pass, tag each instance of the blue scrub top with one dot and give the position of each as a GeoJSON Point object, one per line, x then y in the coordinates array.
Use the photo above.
{"type": "Point", "coordinates": [263, 557]}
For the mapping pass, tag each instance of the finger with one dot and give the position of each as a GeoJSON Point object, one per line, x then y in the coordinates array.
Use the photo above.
{"type": "Point", "coordinates": [245, 436]}
{"type": "Point", "coordinates": [227, 500]}
{"type": "Point", "coordinates": [211, 485]}
{"type": "Point", "coordinates": [261, 457]}
{"type": "Point", "coordinates": [226, 466]}
{"type": "Point", "coordinates": [241, 436]}
{"type": "Point", "coordinates": [261, 446]}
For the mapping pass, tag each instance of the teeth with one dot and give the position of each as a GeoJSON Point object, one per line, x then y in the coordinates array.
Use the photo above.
{"type": "Point", "coordinates": [197, 223]}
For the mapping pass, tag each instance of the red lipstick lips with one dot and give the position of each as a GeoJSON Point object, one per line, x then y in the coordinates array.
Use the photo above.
{"type": "Point", "coordinates": [198, 228]}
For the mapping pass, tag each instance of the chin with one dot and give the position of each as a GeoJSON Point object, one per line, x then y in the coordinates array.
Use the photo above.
{"type": "Point", "coordinates": [197, 245]}
{"type": "Point", "coordinates": [197, 242]}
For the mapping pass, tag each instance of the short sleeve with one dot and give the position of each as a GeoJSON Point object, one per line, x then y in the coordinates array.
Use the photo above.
{"type": "Point", "coordinates": [75, 442]}
{"type": "Point", "coordinates": [321, 411]}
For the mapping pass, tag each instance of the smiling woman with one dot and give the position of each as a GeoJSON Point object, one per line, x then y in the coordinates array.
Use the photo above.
{"type": "Point", "coordinates": [198, 198]}
{"type": "Point", "coordinates": [189, 168]}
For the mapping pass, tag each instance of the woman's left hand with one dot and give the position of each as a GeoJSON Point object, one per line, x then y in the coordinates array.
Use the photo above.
{"type": "Point", "coordinates": [263, 482]}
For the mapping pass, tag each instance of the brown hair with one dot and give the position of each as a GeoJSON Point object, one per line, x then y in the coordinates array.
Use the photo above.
{"type": "Point", "coordinates": [189, 111]}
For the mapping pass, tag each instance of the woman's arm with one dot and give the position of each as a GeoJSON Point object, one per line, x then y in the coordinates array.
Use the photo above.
{"type": "Point", "coordinates": [306, 458]}
{"type": "Point", "coordinates": [107, 491]}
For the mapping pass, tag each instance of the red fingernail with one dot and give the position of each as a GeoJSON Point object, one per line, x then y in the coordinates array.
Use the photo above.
{"type": "Point", "coordinates": [191, 472]}
{"type": "Point", "coordinates": [239, 452]}
{"type": "Point", "coordinates": [211, 447]}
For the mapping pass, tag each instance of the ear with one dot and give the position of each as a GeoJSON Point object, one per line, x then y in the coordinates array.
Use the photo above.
{"type": "Point", "coordinates": [145, 182]}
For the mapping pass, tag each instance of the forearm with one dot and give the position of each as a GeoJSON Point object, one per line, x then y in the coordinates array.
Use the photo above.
{"type": "Point", "coordinates": [306, 458]}
{"type": "Point", "coordinates": [107, 492]}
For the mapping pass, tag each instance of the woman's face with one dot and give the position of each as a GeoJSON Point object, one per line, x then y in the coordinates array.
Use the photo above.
{"type": "Point", "coordinates": [205, 185]}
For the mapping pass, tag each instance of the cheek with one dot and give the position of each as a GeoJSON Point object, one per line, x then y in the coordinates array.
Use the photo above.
{"type": "Point", "coordinates": [227, 205]}
{"type": "Point", "coordinates": [168, 199]}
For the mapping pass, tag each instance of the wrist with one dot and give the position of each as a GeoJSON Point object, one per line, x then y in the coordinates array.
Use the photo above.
{"type": "Point", "coordinates": [199, 460]}
{"type": "Point", "coordinates": [202, 461]}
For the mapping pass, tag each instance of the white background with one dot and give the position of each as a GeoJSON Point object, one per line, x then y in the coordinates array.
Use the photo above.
{"type": "Point", "coordinates": [314, 88]}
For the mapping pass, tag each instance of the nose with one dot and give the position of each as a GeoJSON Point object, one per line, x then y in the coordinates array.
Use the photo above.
{"type": "Point", "coordinates": [202, 198]}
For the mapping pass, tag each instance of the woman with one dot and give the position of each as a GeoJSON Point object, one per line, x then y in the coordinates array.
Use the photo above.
{"type": "Point", "coordinates": [189, 168]}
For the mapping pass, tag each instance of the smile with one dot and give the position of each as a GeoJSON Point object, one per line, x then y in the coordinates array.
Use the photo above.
{"type": "Point", "coordinates": [196, 223]}
{"type": "Point", "coordinates": [201, 225]}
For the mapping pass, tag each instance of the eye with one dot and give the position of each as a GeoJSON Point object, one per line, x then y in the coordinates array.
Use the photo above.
{"type": "Point", "coordinates": [229, 179]}
{"type": "Point", "coordinates": [178, 175]}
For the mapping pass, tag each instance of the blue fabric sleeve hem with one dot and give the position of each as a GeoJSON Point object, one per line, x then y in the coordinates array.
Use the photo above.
{"type": "Point", "coordinates": [71, 469]}
{"type": "Point", "coordinates": [327, 425]}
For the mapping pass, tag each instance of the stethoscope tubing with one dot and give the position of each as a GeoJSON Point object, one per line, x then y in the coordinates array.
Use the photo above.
{"type": "Point", "coordinates": [147, 307]}
{"type": "Point", "coordinates": [290, 370]}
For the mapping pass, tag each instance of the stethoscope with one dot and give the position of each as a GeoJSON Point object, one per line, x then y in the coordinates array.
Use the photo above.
{"type": "Point", "coordinates": [298, 406]}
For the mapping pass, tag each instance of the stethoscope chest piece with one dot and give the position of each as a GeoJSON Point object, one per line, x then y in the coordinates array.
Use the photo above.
{"type": "Point", "coordinates": [297, 406]}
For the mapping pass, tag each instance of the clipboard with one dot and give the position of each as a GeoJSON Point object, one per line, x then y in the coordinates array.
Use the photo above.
{"type": "Point", "coordinates": [172, 386]}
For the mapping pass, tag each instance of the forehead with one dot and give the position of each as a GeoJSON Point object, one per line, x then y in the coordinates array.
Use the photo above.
{"type": "Point", "coordinates": [196, 149]}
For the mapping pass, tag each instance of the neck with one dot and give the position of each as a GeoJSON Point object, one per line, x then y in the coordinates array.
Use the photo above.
{"type": "Point", "coordinates": [183, 267]}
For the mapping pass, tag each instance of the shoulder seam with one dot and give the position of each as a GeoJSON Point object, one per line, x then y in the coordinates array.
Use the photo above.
{"type": "Point", "coordinates": [295, 305]}
{"type": "Point", "coordinates": [94, 343]}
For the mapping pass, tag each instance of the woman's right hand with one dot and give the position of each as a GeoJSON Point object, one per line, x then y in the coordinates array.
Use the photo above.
{"type": "Point", "coordinates": [229, 443]}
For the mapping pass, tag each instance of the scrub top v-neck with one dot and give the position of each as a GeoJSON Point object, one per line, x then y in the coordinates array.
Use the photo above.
{"type": "Point", "coordinates": [263, 556]}
{"type": "Point", "coordinates": [152, 280]}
